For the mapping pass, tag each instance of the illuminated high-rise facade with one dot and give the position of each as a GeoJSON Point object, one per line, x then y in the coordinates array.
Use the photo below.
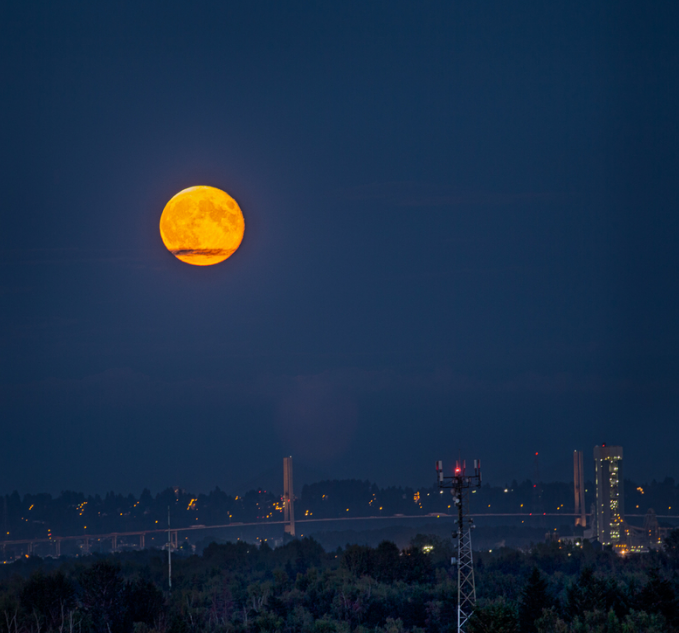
{"type": "Point", "coordinates": [610, 512]}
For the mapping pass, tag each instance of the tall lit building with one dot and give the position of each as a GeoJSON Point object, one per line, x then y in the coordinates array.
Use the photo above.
{"type": "Point", "coordinates": [610, 511]}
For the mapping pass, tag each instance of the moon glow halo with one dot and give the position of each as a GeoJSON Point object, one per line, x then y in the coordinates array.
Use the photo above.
{"type": "Point", "coordinates": [202, 226]}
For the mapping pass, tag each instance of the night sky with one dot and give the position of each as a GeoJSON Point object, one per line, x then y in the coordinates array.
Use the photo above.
{"type": "Point", "coordinates": [461, 240]}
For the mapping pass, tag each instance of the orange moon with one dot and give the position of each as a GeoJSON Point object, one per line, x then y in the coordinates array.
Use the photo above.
{"type": "Point", "coordinates": [202, 226]}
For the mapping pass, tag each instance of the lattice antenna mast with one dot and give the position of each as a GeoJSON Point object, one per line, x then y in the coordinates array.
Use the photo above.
{"type": "Point", "coordinates": [460, 485]}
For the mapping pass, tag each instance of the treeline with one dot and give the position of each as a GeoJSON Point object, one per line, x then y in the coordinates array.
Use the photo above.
{"type": "Point", "coordinates": [73, 514]}
{"type": "Point", "coordinates": [559, 588]}
{"type": "Point", "coordinates": [300, 588]}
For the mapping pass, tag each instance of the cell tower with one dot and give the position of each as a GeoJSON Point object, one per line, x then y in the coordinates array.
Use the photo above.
{"type": "Point", "coordinates": [460, 485]}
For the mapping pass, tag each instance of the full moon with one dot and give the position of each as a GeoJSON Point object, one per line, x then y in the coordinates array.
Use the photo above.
{"type": "Point", "coordinates": [202, 226]}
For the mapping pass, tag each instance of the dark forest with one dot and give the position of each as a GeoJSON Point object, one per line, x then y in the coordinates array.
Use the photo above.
{"type": "Point", "coordinates": [300, 588]}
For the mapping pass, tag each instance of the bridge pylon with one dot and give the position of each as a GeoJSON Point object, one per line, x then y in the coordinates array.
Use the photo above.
{"type": "Point", "coordinates": [288, 497]}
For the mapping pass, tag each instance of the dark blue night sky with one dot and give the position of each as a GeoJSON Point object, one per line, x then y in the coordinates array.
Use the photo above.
{"type": "Point", "coordinates": [461, 239]}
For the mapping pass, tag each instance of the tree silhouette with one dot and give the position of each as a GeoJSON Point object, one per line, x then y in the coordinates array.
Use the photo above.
{"type": "Point", "coordinates": [672, 547]}
{"type": "Point", "coordinates": [48, 599]}
{"type": "Point", "coordinates": [534, 598]}
{"type": "Point", "coordinates": [658, 596]}
{"type": "Point", "coordinates": [586, 594]}
{"type": "Point", "coordinates": [103, 597]}
{"type": "Point", "coordinates": [498, 616]}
